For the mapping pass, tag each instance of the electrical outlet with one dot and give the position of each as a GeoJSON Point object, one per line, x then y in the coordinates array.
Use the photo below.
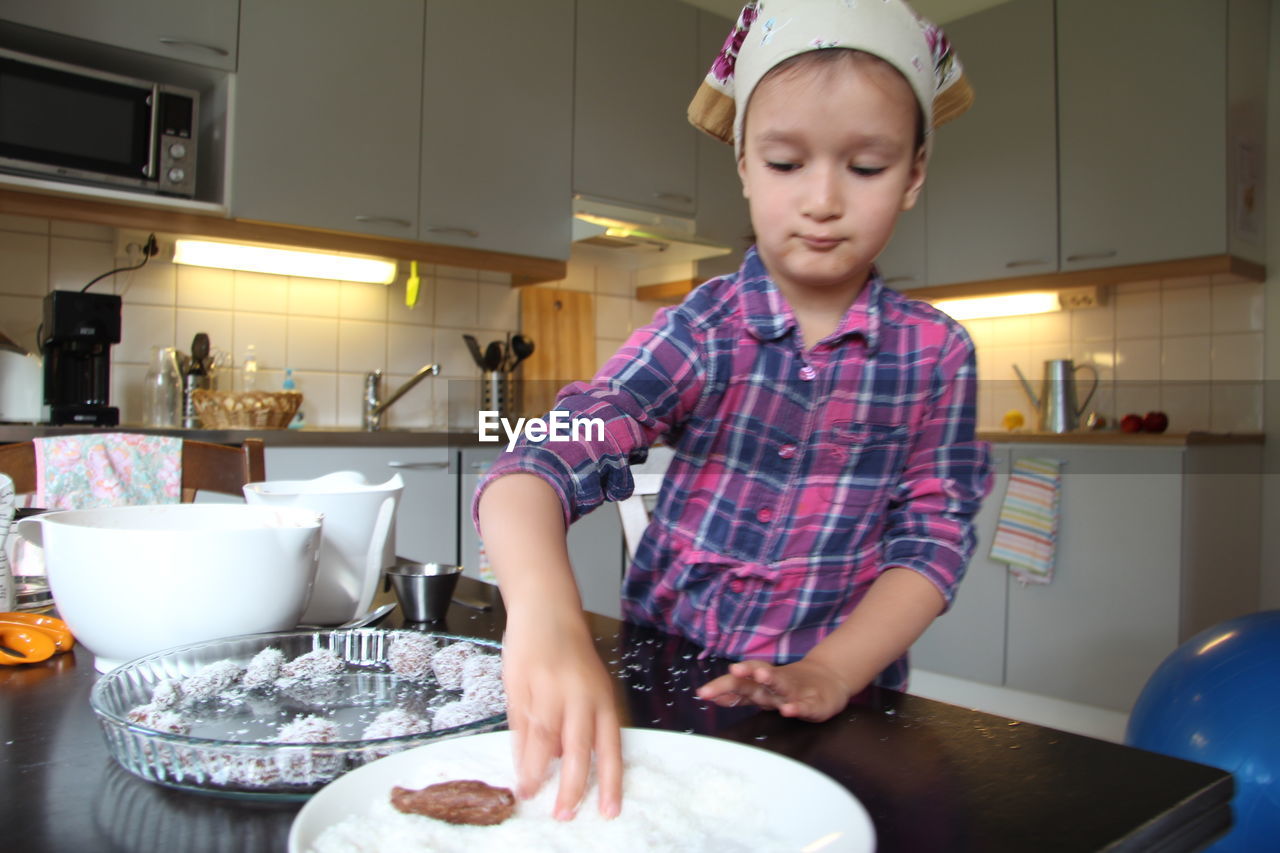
{"type": "Point", "coordinates": [129, 243]}
{"type": "Point", "coordinates": [1090, 296]}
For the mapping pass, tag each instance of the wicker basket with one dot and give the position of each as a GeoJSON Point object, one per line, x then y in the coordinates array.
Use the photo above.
{"type": "Point", "coordinates": [246, 409]}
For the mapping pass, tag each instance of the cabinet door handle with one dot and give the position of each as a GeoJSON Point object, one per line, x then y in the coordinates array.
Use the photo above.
{"type": "Point", "coordinates": [680, 197]}
{"type": "Point", "coordinates": [1036, 262]}
{"type": "Point", "coordinates": [451, 229]}
{"type": "Point", "coordinates": [419, 466]}
{"type": "Point", "coordinates": [480, 466]}
{"type": "Point", "coordinates": [388, 220]}
{"type": "Point", "coordinates": [1092, 256]}
{"type": "Point", "coordinates": [173, 42]}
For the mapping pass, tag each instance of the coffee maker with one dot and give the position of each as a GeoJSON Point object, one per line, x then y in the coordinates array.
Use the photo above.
{"type": "Point", "coordinates": [79, 329]}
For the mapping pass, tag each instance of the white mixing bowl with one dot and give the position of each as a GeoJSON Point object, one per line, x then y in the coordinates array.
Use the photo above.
{"type": "Point", "coordinates": [130, 581]}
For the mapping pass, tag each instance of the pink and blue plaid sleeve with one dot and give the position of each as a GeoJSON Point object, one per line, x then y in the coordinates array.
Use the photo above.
{"type": "Point", "coordinates": [649, 386]}
{"type": "Point", "coordinates": [929, 525]}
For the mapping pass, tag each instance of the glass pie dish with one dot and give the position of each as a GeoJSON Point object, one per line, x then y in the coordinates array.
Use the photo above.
{"type": "Point", "coordinates": [236, 741]}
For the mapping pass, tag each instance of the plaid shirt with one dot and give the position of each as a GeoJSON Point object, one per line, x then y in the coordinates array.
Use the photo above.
{"type": "Point", "coordinates": [799, 476]}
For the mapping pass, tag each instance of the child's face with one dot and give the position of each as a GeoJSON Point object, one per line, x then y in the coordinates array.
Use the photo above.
{"type": "Point", "coordinates": [829, 160]}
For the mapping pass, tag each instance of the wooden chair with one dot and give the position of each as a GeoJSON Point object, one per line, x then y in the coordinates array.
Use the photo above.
{"type": "Point", "coordinates": [206, 467]}
{"type": "Point", "coordinates": [634, 511]}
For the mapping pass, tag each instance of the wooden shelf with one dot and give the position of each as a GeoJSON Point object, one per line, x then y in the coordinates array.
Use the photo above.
{"type": "Point", "coordinates": [523, 269]}
{"type": "Point", "coordinates": [1184, 268]}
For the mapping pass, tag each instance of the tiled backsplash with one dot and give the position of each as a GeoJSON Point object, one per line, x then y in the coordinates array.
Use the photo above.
{"type": "Point", "coordinates": [330, 333]}
{"type": "Point", "coordinates": [1192, 347]}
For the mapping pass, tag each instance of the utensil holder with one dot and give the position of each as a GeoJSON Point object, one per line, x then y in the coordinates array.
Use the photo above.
{"type": "Point", "coordinates": [497, 390]}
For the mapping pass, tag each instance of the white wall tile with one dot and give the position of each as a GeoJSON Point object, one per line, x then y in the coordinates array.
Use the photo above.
{"type": "Point", "coordinates": [415, 410]}
{"type": "Point", "coordinates": [350, 403]}
{"type": "Point", "coordinates": [362, 346]}
{"type": "Point", "coordinates": [1185, 310]}
{"type": "Point", "coordinates": [269, 335]}
{"type": "Point", "coordinates": [409, 347]}
{"type": "Point", "coordinates": [1237, 358]}
{"type": "Point", "coordinates": [313, 344]}
{"type": "Point", "coordinates": [127, 391]}
{"type": "Point", "coordinates": [996, 363]}
{"type": "Point", "coordinates": [605, 348]}
{"type": "Point", "coordinates": [20, 316]}
{"type": "Point", "coordinates": [456, 303]}
{"type": "Point", "coordinates": [261, 293]}
{"type": "Point", "coordinates": [1099, 355]}
{"type": "Point", "coordinates": [1237, 407]}
{"type": "Point", "coordinates": [1138, 359]}
{"type": "Point", "coordinates": [26, 264]}
{"type": "Point", "coordinates": [615, 281]}
{"type": "Point", "coordinates": [1042, 352]}
{"type": "Point", "coordinates": [494, 277]}
{"type": "Point", "coordinates": [200, 287]}
{"type": "Point", "coordinates": [1094, 324]}
{"type": "Point", "coordinates": [217, 325]}
{"type": "Point", "coordinates": [154, 284]}
{"type": "Point", "coordinates": [579, 275]}
{"type": "Point", "coordinates": [453, 356]}
{"type": "Point", "coordinates": [1136, 398]}
{"type": "Point", "coordinates": [422, 313]}
{"type": "Point", "coordinates": [74, 263]}
{"type": "Point", "coordinates": [1187, 359]}
{"type": "Point", "coordinates": [310, 297]}
{"type": "Point", "coordinates": [613, 317]}
{"type": "Point", "coordinates": [1188, 404]}
{"type": "Point", "coordinates": [1238, 307]}
{"type": "Point", "coordinates": [462, 273]}
{"type": "Point", "coordinates": [319, 397]}
{"type": "Point", "coordinates": [498, 306]}
{"type": "Point", "coordinates": [141, 328]}
{"type": "Point", "coordinates": [643, 313]}
{"type": "Point", "coordinates": [979, 331]}
{"type": "Point", "coordinates": [1051, 328]}
{"type": "Point", "coordinates": [359, 301]}
{"type": "Point", "coordinates": [1137, 313]}
{"type": "Point", "coordinates": [1010, 331]}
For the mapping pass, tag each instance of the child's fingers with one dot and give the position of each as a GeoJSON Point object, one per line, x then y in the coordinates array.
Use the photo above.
{"type": "Point", "coordinates": [578, 739]}
{"type": "Point", "coordinates": [609, 763]}
{"type": "Point", "coordinates": [537, 746]}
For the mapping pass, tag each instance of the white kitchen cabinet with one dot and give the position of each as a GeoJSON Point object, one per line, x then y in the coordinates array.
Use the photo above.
{"type": "Point", "coordinates": [497, 125]}
{"type": "Point", "coordinates": [632, 143]}
{"type": "Point", "coordinates": [722, 215]}
{"type": "Point", "coordinates": [992, 207]}
{"type": "Point", "coordinates": [595, 543]}
{"type": "Point", "coordinates": [968, 640]}
{"type": "Point", "coordinates": [1160, 129]}
{"type": "Point", "coordinates": [202, 32]}
{"type": "Point", "coordinates": [1155, 544]}
{"type": "Point", "coordinates": [327, 115]}
{"type": "Point", "coordinates": [902, 264]}
{"type": "Point", "coordinates": [427, 518]}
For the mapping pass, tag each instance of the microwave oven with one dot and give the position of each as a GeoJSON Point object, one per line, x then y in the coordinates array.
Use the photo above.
{"type": "Point", "coordinates": [80, 124]}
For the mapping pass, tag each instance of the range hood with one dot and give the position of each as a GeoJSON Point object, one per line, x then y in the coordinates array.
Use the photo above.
{"type": "Point", "coordinates": [640, 236]}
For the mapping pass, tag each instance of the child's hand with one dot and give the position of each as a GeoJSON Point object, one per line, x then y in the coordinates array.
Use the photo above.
{"type": "Point", "coordinates": [805, 689]}
{"type": "Point", "coordinates": [560, 704]}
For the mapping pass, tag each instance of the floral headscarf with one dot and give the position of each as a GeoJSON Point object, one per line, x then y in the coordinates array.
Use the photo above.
{"type": "Point", "coordinates": [769, 32]}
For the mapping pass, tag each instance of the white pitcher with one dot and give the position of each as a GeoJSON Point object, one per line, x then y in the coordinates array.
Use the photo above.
{"type": "Point", "coordinates": [358, 536]}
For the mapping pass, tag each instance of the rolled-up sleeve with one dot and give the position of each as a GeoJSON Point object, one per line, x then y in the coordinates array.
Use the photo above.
{"type": "Point", "coordinates": [929, 524]}
{"type": "Point", "coordinates": [641, 393]}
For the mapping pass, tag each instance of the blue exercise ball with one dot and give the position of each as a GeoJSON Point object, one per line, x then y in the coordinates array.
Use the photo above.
{"type": "Point", "coordinates": [1216, 700]}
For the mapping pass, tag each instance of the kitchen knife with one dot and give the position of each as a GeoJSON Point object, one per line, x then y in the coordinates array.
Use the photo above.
{"type": "Point", "coordinates": [474, 346]}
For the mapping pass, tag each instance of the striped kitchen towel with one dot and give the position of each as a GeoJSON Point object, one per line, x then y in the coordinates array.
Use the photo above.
{"type": "Point", "coordinates": [1027, 530]}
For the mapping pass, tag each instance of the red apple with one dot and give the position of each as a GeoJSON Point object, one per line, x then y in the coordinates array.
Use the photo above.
{"type": "Point", "coordinates": [1155, 422]}
{"type": "Point", "coordinates": [1131, 423]}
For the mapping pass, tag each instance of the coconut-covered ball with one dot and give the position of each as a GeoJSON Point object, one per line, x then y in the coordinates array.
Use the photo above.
{"type": "Point", "coordinates": [318, 665]}
{"type": "Point", "coordinates": [210, 681]}
{"type": "Point", "coordinates": [410, 654]}
{"type": "Point", "coordinates": [310, 729]}
{"type": "Point", "coordinates": [395, 722]}
{"type": "Point", "coordinates": [167, 693]}
{"type": "Point", "coordinates": [158, 719]}
{"type": "Point", "coordinates": [458, 713]}
{"type": "Point", "coordinates": [447, 663]}
{"type": "Point", "coordinates": [482, 683]}
{"type": "Point", "coordinates": [264, 668]}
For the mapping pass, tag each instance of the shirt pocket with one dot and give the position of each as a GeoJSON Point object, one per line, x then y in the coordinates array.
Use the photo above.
{"type": "Point", "coordinates": [862, 461]}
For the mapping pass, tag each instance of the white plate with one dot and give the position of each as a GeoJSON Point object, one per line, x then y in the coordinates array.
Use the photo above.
{"type": "Point", "coordinates": [799, 808]}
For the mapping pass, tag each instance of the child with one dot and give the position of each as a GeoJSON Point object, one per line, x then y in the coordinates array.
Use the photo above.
{"type": "Point", "coordinates": [817, 514]}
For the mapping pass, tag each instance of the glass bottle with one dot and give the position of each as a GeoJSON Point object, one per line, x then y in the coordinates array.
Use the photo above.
{"type": "Point", "coordinates": [163, 389]}
{"type": "Point", "coordinates": [249, 370]}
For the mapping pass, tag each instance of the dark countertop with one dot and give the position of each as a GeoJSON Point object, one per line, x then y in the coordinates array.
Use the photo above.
{"type": "Point", "coordinates": [935, 777]}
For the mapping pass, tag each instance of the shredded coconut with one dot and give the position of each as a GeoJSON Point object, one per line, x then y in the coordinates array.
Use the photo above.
{"type": "Point", "coordinates": [395, 722]}
{"type": "Point", "coordinates": [482, 683]}
{"type": "Point", "coordinates": [159, 719]}
{"type": "Point", "coordinates": [410, 654]}
{"type": "Point", "coordinates": [264, 668]}
{"type": "Point", "coordinates": [318, 665]}
{"type": "Point", "coordinates": [447, 664]}
{"type": "Point", "coordinates": [211, 680]}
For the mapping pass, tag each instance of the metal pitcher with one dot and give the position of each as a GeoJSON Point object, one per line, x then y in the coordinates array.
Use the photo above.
{"type": "Point", "coordinates": [1056, 409]}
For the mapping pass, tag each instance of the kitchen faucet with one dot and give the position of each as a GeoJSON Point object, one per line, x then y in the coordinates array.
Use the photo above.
{"type": "Point", "coordinates": [374, 407]}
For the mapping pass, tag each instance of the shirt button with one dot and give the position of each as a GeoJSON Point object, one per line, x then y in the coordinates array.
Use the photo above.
{"type": "Point", "coordinates": [807, 373]}
{"type": "Point", "coordinates": [786, 451]}
{"type": "Point", "coordinates": [737, 585]}
{"type": "Point", "coordinates": [764, 514]}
